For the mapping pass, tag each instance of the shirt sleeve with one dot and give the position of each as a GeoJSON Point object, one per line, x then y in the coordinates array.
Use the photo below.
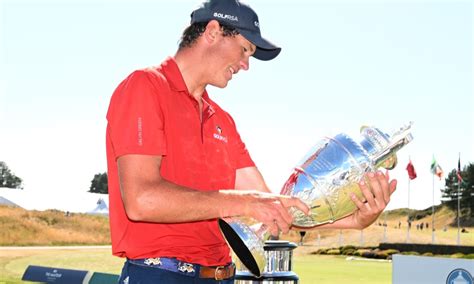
{"type": "Point", "coordinates": [135, 118]}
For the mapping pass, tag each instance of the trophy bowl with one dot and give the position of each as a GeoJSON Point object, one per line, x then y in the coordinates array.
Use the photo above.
{"type": "Point", "coordinates": [324, 179]}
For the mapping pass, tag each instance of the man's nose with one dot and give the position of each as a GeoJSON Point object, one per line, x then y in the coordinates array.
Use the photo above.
{"type": "Point", "coordinates": [245, 63]}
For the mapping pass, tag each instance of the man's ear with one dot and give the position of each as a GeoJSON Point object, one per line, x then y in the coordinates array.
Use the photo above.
{"type": "Point", "coordinates": [212, 31]}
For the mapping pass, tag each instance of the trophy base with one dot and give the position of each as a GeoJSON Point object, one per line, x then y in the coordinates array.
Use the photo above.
{"type": "Point", "coordinates": [267, 277]}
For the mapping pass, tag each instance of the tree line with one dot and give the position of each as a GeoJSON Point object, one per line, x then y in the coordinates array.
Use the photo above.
{"type": "Point", "coordinates": [464, 183]}
{"type": "Point", "coordinates": [8, 178]}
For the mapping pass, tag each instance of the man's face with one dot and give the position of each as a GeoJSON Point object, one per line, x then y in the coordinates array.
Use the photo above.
{"type": "Point", "coordinates": [230, 54]}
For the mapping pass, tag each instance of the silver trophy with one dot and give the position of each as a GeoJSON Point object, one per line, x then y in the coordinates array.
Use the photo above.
{"type": "Point", "coordinates": [324, 180]}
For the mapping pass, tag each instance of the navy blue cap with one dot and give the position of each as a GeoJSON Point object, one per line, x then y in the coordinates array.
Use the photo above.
{"type": "Point", "coordinates": [240, 16]}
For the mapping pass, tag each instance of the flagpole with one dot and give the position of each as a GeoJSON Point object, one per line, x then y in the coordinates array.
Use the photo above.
{"type": "Point", "coordinates": [459, 200]}
{"type": "Point", "coordinates": [411, 175]}
{"type": "Point", "coordinates": [340, 238]}
{"type": "Point", "coordinates": [408, 227]}
{"type": "Point", "coordinates": [385, 216]}
{"type": "Point", "coordinates": [459, 212]}
{"type": "Point", "coordinates": [432, 214]}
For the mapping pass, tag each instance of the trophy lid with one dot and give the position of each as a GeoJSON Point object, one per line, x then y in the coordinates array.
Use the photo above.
{"type": "Point", "coordinates": [382, 147]}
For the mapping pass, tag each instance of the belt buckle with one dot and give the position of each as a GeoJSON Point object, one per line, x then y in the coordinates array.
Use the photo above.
{"type": "Point", "coordinates": [219, 268]}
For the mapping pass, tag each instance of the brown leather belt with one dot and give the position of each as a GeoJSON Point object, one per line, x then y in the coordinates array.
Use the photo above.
{"type": "Point", "coordinates": [217, 273]}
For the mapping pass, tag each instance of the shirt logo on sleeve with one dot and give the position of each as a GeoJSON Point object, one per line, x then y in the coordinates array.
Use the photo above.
{"type": "Point", "coordinates": [218, 135]}
{"type": "Point", "coordinates": [139, 131]}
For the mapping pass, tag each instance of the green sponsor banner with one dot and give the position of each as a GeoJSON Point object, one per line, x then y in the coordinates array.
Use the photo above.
{"type": "Point", "coordinates": [103, 278]}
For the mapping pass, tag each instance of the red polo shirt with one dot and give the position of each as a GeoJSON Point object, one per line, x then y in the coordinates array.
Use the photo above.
{"type": "Point", "coordinates": [152, 113]}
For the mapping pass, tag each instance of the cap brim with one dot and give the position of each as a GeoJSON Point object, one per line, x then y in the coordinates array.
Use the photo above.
{"type": "Point", "coordinates": [265, 49]}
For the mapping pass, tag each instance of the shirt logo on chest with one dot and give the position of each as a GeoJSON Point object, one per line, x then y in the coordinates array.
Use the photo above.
{"type": "Point", "coordinates": [218, 134]}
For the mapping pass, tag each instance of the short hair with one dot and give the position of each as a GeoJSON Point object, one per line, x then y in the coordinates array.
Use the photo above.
{"type": "Point", "coordinates": [195, 30]}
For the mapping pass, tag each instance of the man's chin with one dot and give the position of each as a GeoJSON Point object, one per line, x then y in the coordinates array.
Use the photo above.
{"type": "Point", "coordinates": [220, 85]}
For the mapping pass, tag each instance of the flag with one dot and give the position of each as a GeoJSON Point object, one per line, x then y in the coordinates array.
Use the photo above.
{"type": "Point", "coordinates": [436, 168]}
{"type": "Point", "coordinates": [458, 173]}
{"type": "Point", "coordinates": [411, 170]}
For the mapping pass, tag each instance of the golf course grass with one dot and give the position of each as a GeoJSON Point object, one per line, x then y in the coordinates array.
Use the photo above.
{"type": "Point", "coordinates": [325, 269]}
{"type": "Point", "coordinates": [309, 268]}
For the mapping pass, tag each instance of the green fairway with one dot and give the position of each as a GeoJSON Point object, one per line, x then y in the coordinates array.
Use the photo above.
{"type": "Point", "coordinates": [322, 269]}
{"type": "Point", "coordinates": [310, 268]}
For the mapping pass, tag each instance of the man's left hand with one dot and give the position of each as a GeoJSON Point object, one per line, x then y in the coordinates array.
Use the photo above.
{"type": "Point", "coordinates": [376, 190]}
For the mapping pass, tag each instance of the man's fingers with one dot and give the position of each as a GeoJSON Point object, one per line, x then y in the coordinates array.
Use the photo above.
{"type": "Point", "coordinates": [273, 228]}
{"type": "Point", "coordinates": [283, 226]}
{"type": "Point", "coordinates": [360, 205]}
{"type": "Point", "coordinates": [369, 196]}
{"type": "Point", "coordinates": [283, 213]}
{"type": "Point", "coordinates": [289, 201]}
{"type": "Point", "coordinates": [377, 189]}
{"type": "Point", "coordinates": [393, 186]}
{"type": "Point", "coordinates": [384, 186]}
{"type": "Point", "coordinates": [278, 224]}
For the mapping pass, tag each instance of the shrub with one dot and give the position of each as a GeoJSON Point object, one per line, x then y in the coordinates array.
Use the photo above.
{"type": "Point", "coordinates": [347, 247]}
{"type": "Point", "coordinates": [348, 251]}
{"type": "Point", "coordinates": [324, 251]}
{"type": "Point", "coordinates": [359, 252]}
{"type": "Point", "coordinates": [391, 251]}
{"type": "Point", "coordinates": [410, 253]}
{"type": "Point", "coordinates": [457, 255]}
{"type": "Point", "coordinates": [381, 255]}
{"type": "Point", "coordinates": [369, 254]}
{"type": "Point", "coordinates": [428, 254]}
{"type": "Point", "coordinates": [334, 252]}
{"type": "Point", "coordinates": [320, 251]}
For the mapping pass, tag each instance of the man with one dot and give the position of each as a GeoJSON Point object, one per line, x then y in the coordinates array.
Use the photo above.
{"type": "Point", "coordinates": [176, 162]}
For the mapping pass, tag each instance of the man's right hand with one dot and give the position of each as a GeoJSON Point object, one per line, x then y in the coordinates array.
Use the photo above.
{"type": "Point", "coordinates": [268, 208]}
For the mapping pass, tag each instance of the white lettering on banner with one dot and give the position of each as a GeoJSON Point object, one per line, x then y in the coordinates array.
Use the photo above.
{"type": "Point", "coordinates": [226, 17]}
{"type": "Point", "coordinates": [53, 275]}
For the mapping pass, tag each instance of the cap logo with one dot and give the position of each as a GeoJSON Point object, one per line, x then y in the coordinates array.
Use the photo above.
{"type": "Point", "coordinates": [256, 24]}
{"type": "Point", "coordinates": [226, 17]}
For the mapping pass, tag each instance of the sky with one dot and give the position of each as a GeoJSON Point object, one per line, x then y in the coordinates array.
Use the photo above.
{"type": "Point", "coordinates": [343, 64]}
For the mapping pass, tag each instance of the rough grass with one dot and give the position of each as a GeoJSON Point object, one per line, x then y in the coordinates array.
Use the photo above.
{"type": "Point", "coordinates": [19, 227]}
